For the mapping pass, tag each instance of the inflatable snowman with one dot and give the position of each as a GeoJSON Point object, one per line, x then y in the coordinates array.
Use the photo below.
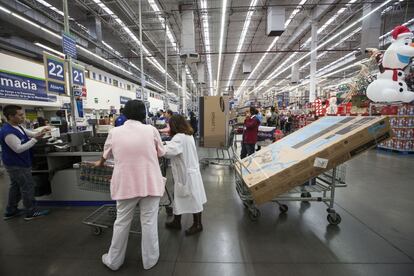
{"type": "Point", "coordinates": [390, 85]}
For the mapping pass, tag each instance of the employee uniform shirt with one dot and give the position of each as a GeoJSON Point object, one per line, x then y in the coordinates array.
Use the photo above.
{"type": "Point", "coordinates": [16, 145]}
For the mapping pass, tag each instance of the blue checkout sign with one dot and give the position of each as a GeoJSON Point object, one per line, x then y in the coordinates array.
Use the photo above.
{"type": "Point", "coordinates": [78, 75]}
{"type": "Point", "coordinates": [55, 68]}
{"type": "Point", "coordinates": [55, 74]}
{"type": "Point", "coordinates": [69, 45]}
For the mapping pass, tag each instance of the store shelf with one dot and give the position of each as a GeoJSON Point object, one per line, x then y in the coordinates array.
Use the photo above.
{"type": "Point", "coordinates": [382, 147]}
{"type": "Point", "coordinates": [400, 116]}
{"type": "Point", "coordinates": [402, 139]}
{"type": "Point", "coordinates": [410, 127]}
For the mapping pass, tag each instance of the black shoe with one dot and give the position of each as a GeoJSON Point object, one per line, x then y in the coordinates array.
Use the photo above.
{"type": "Point", "coordinates": [37, 214]}
{"type": "Point", "coordinates": [196, 228]}
{"type": "Point", "coordinates": [175, 223]}
{"type": "Point", "coordinates": [15, 214]}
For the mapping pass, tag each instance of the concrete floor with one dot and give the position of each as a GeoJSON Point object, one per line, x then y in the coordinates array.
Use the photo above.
{"type": "Point", "coordinates": [374, 238]}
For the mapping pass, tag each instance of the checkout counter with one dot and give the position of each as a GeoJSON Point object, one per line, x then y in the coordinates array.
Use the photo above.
{"type": "Point", "coordinates": [53, 168]}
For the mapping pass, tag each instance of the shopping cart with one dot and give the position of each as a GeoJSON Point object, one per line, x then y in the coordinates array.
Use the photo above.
{"type": "Point", "coordinates": [97, 179]}
{"type": "Point", "coordinates": [320, 189]}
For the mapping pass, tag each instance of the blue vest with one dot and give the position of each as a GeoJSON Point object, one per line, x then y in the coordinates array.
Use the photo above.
{"type": "Point", "coordinates": [11, 158]}
{"type": "Point", "coordinates": [120, 120]}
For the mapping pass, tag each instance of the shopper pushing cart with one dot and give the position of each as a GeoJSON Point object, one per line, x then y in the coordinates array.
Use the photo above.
{"type": "Point", "coordinates": [136, 180]}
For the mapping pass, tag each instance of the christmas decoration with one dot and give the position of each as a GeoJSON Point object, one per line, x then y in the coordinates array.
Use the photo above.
{"type": "Point", "coordinates": [390, 85]}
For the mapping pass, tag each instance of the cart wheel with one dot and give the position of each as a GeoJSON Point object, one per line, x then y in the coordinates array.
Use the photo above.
{"type": "Point", "coordinates": [254, 214]}
{"type": "Point", "coordinates": [283, 208]}
{"type": "Point", "coordinates": [169, 210]}
{"type": "Point", "coordinates": [334, 219]}
{"type": "Point", "coordinates": [96, 230]}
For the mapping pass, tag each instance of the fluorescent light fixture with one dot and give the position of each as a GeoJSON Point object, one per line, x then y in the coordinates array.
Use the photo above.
{"type": "Point", "coordinates": [295, 11]}
{"type": "Point", "coordinates": [343, 69]}
{"type": "Point", "coordinates": [170, 36]}
{"type": "Point", "coordinates": [5, 10]}
{"type": "Point", "coordinates": [104, 60]}
{"type": "Point", "coordinates": [80, 47]}
{"type": "Point", "coordinates": [241, 40]}
{"type": "Point", "coordinates": [151, 60]}
{"type": "Point", "coordinates": [207, 45]}
{"type": "Point", "coordinates": [276, 73]}
{"type": "Point", "coordinates": [357, 30]}
{"type": "Point", "coordinates": [243, 84]}
{"type": "Point", "coordinates": [111, 48]}
{"type": "Point", "coordinates": [287, 22]}
{"type": "Point", "coordinates": [49, 49]}
{"type": "Point", "coordinates": [223, 19]}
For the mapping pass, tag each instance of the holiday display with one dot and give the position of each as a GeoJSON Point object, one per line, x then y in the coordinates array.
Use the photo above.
{"type": "Point", "coordinates": [402, 125]}
{"type": "Point", "coordinates": [390, 85]}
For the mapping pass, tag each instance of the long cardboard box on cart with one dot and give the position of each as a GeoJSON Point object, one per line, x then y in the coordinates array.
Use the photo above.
{"type": "Point", "coordinates": [310, 151]}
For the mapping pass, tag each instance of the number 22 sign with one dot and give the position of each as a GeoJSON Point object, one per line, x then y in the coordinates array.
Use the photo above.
{"type": "Point", "coordinates": [55, 73]}
{"type": "Point", "coordinates": [55, 68]}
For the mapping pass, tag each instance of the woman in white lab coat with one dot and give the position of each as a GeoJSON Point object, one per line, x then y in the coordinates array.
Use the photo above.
{"type": "Point", "coordinates": [189, 194]}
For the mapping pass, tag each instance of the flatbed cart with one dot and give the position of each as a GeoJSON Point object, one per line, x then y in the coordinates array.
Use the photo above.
{"type": "Point", "coordinates": [323, 185]}
{"type": "Point", "coordinates": [224, 155]}
{"type": "Point", "coordinates": [98, 180]}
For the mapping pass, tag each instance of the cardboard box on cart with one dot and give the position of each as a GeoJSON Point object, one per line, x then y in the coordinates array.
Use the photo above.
{"type": "Point", "coordinates": [310, 151]}
{"type": "Point", "coordinates": [214, 118]}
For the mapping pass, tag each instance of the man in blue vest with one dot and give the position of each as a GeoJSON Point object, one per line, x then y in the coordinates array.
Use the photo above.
{"type": "Point", "coordinates": [16, 143]}
{"type": "Point", "coordinates": [121, 119]}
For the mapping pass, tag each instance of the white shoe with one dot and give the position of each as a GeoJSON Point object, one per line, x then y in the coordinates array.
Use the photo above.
{"type": "Point", "coordinates": [105, 262]}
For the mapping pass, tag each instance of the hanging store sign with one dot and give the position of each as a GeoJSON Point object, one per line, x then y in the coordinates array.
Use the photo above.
{"type": "Point", "coordinates": [69, 45]}
{"type": "Point", "coordinates": [23, 87]}
{"type": "Point", "coordinates": [55, 72]}
{"type": "Point", "coordinates": [138, 93]}
{"type": "Point", "coordinates": [78, 74]}
{"type": "Point", "coordinates": [124, 100]}
{"type": "Point", "coordinates": [145, 95]}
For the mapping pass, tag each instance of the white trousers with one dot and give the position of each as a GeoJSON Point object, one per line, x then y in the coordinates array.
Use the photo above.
{"type": "Point", "coordinates": [149, 228]}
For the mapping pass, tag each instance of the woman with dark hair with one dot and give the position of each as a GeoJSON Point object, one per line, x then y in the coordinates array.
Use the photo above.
{"type": "Point", "coordinates": [189, 194]}
{"type": "Point", "coordinates": [136, 179]}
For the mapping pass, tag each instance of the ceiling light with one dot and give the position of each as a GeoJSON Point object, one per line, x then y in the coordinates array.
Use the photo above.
{"type": "Point", "coordinates": [207, 45]}
{"type": "Point", "coordinates": [49, 49]}
{"type": "Point", "coordinates": [288, 21]}
{"type": "Point", "coordinates": [223, 19]}
{"type": "Point", "coordinates": [241, 40]}
{"type": "Point", "coordinates": [275, 73]}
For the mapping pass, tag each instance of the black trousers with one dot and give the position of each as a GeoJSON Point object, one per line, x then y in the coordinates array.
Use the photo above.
{"type": "Point", "coordinates": [247, 149]}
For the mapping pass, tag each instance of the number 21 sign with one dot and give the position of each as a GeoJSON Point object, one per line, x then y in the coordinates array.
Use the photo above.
{"type": "Point", "coordinates": [78, 74]}
{"type": "Point", "coordinates": [55, 73]}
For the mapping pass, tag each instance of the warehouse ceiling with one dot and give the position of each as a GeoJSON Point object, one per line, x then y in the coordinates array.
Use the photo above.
{"type": "Point", "coordinates": [241, 33]}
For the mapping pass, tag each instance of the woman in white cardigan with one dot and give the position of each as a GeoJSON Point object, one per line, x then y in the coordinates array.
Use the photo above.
{"type": "Point", "coordinates": [189, 194]}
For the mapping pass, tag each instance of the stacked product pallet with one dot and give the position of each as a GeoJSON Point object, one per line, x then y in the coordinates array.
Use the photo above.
{"type": "Point", "coordinates": [402, 125]}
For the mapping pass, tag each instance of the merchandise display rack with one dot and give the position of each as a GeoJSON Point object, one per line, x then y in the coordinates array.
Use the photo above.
{"type": "Point", "coordinates": [402, 125]}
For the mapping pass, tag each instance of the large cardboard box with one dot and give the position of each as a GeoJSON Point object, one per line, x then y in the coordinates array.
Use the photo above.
{"type": "Point", "coordinates": [310, 151]}
{"type": "Point", "coordinates": [214, 118]}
